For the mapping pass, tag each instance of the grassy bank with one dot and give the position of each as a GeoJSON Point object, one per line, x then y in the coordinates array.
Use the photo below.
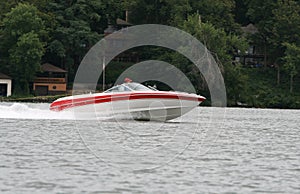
{"type": "Point", "coordinates": [33, 99]}
{"type": "Point", "coordinates": [263, 91]}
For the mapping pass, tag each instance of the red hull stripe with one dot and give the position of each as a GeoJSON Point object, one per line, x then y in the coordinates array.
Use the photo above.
{"type": "Point", "coordinates": [65, 104]}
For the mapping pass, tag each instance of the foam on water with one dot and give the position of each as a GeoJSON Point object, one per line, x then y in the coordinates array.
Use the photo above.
{"type": "Point", "coordinates": [41, 111]}
{"type": "Point", "coordinates": [31, 111]}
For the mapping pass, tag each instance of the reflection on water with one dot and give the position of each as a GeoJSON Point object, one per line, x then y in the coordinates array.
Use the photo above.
{"type": "Point", "coordinates": [251, 150]}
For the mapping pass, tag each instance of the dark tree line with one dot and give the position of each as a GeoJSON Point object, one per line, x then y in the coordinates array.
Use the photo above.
{"type": "Point", "coordinates": [62, 31]}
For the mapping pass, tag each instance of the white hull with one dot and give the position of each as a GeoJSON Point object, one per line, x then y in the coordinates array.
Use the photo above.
{"type": "Point", "coordinates": [140, 109]}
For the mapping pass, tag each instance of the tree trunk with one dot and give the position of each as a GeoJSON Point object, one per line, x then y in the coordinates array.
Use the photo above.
{"type": "Point", "coordinates": [265, 56]}
{"type": "Point", "coordinates": [278, 74]}
{"type": "Point", "coordinates": [291, 83]}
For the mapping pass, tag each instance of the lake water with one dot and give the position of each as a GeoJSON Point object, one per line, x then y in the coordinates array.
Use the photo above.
{"type": "Point", "coordinates": [209, 150]}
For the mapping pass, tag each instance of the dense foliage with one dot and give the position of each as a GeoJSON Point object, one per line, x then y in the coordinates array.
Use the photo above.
{"type": "Point", "coordinates": [62, 31]}
{"type": "Point", "coordinates": [23, 33]}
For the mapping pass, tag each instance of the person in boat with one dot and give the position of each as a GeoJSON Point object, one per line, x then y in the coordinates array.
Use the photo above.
{"type": "Point", "coordinates": [127, 80]}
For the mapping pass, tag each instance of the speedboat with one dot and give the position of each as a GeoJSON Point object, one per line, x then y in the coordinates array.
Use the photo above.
{"type": "Point", "coordinates": [134, 99]}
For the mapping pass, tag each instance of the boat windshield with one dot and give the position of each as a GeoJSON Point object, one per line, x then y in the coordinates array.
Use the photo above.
{"type": "Point", "coordinates": [127, 87]}
{"type": "Point", "coordinates": [137, 87]}
{"type": "Point", "coordinates": [118, 88]}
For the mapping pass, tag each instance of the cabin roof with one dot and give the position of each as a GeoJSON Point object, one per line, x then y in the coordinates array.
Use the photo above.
{"type": "Point", "coordinates": [47, 67]}
{"type": "Point", "coordinates": [250, 29]}
{"type": "Point", "coordinates": [3, 76]}
{"type": "Point", "coordinates": [123, 22]}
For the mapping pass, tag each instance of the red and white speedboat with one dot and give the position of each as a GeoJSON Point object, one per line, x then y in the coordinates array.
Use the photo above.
{"type": "Point", "coordinates": [137, 100]}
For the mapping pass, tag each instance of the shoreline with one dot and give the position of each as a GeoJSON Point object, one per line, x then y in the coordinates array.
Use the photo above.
{"type": "Point", "coordinates": [33, 99]}
{"type": "Point", "coordinates": [50, 99]}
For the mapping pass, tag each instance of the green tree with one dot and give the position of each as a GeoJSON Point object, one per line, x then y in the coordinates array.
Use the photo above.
{"type": "Point", "coordinates": [286, 24]}
{"type": "Point", "coordinates": [78, 25]}
{"type": "Point", "coordinates": [220, 13]}
{"type": "Point", "coordinates": [23, 31]}
{"type": "Point", "coordinates": [25, 61]}
{"type": "Point", "coordinates": [240, 12]}
{"type": "Point", "coordinates": [222, 46]}
{"type": "Point", "coordinates": [6, 6]}
{"type": "Point", "coordinates": [291, 61]}
{"type": "Point", "coordinates": [168, 12]}
{"type": "Point", "coordinates": [285, 28]}
{"type": "Point", "coordinates": [23, 19]}
{"type": "Point", "coordinates": [260, 12]}
{"type": "Point", "coordinates": [277, 22]}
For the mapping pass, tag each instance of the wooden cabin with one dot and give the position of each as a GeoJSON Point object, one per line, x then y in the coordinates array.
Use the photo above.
{"type": "Point", "coordinates": [254, 56]}
{"type": "Point", "coordinates": [5, 85]}
{"type": "Point", "coordinates": [51, 81]}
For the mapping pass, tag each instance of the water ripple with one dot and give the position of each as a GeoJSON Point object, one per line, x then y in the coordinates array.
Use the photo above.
{"type": "Point", "coordinates": [251, 151]}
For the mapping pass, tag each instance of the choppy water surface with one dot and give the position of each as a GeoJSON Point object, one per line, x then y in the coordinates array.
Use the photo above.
{"type": "Point", "coordinates": [247, 151]}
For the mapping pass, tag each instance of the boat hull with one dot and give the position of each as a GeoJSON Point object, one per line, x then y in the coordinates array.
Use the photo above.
{"type": "Point", "coordinates": [160, 106]}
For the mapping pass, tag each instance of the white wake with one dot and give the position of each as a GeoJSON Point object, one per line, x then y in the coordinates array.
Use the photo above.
{"type": "Point", "coordinates": [41, 111]}
{"type": "Point", "coordinates": [32, 111]}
